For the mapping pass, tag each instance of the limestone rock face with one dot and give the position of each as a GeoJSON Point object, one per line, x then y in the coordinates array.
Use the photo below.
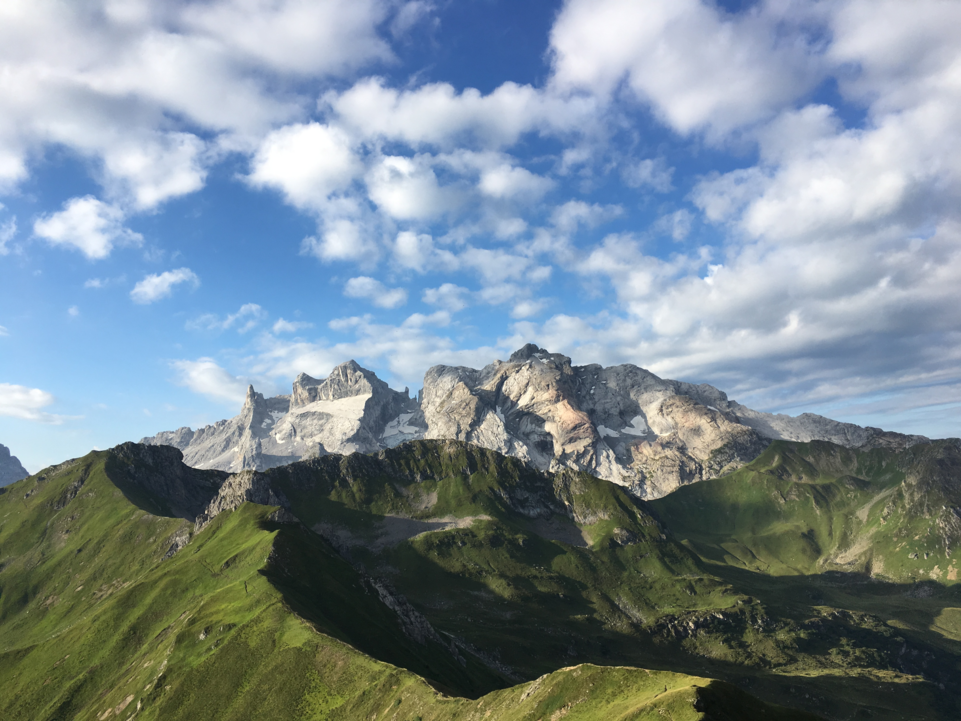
{"type": "Point", "coordinates": [350, 410]}
{"type": "Point", "coordinates": [11, 470]}
{"type": "Point", "coordinates": [623, 423]}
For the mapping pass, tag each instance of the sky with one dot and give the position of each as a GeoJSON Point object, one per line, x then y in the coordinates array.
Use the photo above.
{"type": "Point", "coordinates": [196, 196]}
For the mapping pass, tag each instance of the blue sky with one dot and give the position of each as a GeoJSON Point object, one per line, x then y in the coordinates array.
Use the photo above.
{"type": "Point", "coordinates": [199, 195]}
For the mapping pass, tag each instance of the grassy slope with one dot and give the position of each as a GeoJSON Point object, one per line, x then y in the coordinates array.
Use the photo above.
{"type": "Point", "coordinates": [817, 532]}
{"type": "Point", "coordinates": [808, 508]}
{"type": "Point", "coordinates": [533, 603]}
{"type": "Point", "coordinates": [95, 625]}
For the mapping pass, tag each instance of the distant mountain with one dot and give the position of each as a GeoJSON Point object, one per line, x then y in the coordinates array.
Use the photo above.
{"type": "Point", "coordinates": [11, 469]}
{"type": "Point", "coordinates": [622, 423]}
{"type": "Point", "coordinates": [351, 410]}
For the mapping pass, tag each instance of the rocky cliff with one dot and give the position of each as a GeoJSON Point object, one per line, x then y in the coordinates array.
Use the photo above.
{"type": "Point", "coordinates": [11, 470]}
{"type": "Point", "coordinates": [351, 410]}
{"type": "Point", "coordinates": [622, 423]}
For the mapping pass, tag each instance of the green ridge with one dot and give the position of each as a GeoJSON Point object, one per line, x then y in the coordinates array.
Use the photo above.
{"type": "Point", "coordinates": [97, 624]}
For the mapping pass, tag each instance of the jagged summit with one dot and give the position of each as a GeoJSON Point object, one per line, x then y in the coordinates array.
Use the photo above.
{"type": "Point", "coordinates": [350, 410]}
{"type": "Point", "coordinates": [11, 470]}
{"type": "Point", "coordinates": [621, 423]}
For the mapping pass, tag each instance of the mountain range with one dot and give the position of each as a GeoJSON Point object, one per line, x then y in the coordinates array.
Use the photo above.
{"type": "Point", "coordinates": [531, 540]}
{"type": "Point", "coordinates": [623, 423]}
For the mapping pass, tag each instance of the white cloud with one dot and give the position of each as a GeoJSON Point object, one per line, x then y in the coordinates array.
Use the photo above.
{"type": "Point", "coordinates": [677, 224]}
{"type": "Point", "coordinates": [135, 86]}
{"type": "Point", "coordinates": [155, 168]}
{"type": "Point", "coordinates": [95, 283]}
{"type": "Point", "coordinates": [342, 239]}
{"type": "Point", "coordinates": [410, 14]}
{"type": "Point", "coordinates": [527, 308]}
{"type": "Point", "coordinates": [650, 173]}
{"type": "Point", "coordinates": [306, 162]}
{"type": "Point", "coordinates": [296, 36]}
{"type": "Point", "coordinates": [156, 286]}
{"type": "Point", "coordinates": [8, 231]}
{"type": "Point", "coordinates": [245, 319]}
{"type": "Point", "coordinates": [506, 181]}
{"type": "Point", "coordinates": [697, 67]}
{"type": "Point", "coordinates": [407, 189]}
{"type": "Point", "coordinates": [27, 404]}
{"type": "Point", "coordinates": [375, 291]}
{"type": "Point", "coordinates": [73, 311]}
{"type": "Point", "coordinates": [290, 326]}
{"type": "Point", "coordinates": [448, 296]}
{"type": "Point", "coordinates": [204, 376]}
{"type": "Point", "coordinates": [89, 225]}
{"type": "Point", "coordinates": [573, 214]}
{"type": "Point", "coordinates": [436, 114]}
{"type": "Point", "coordinates": [3, 331]}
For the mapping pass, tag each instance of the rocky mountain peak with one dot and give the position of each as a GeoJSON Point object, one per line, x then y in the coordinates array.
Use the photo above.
{"type": "Point", "coordinates": [621, 423]}
{"type": "Point", "coordinates": [531, 352]}
{"type": "Point", "coordinates": [350, 410]}
{"type": "Point", "coordinates": [11, 470]}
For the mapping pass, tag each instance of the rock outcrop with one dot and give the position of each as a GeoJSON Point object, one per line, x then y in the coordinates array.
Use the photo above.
{"type": "Point", "coordinates": [11, 470]}
{"type": "Point", "coordinates": [351, 410]}
{"type": "Point", "coordinates": [622, 423]}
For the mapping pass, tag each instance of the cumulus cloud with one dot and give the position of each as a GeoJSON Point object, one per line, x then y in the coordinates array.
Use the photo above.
{"type": "Point", "coordinates": [375, 291]}
{"type": "Point", "coordinates": [27, 404]}
{"type": "Point", "coordinates": [506, 181]}
{"type": "Point", "coordinates": [342, 239]}
{"type": "Point", "coordinates": [297, 36]}
{"type": "Point", "coordinates": [436, 114]}
{"type": "Point", "coordinates": [697, 67]}
{"type": "Point", "coordinates": [290, 326]}
{"type": "Point", "coordinates": [151, 92]}
{"type": "Point", "coordinates": [206, 377]}
{"type": "Point", "coordinates": [245, 319]}
{"type": "Point", "coordinates": [160, 285]}
{"type": "Point", "coordinates": [650, 173]}
{"type": "Point", "coordinates": [88, 225]}
{"type": "Point", "coordinates": [407, 189]}
{"type": "Point", "coordinates": [306, 162]}
{"type": "Point", "coordinates": [8, 231]}
{"type": "Point", "coordinates": [448, 296]}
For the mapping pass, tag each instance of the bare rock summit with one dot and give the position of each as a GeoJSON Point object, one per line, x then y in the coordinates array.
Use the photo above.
{"type": "Point", "coordinates": [622, 423]}
{"type": "Point", "coordinates": [11, 470]}
{"type": "Point", "coordinates": [351, 410]}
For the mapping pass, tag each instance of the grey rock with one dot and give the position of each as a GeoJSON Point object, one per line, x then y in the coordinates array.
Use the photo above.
{"type": "Point", "coordinates": [622, 423]}
{"type": "Point", "coordinates": [239, 488]}
{"type": "Point", "coordinates": [351, 410]}
{"type": "Point", "coordinates": [11, 470]}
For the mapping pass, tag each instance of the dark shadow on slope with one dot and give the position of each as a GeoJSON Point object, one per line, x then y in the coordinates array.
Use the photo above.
{"type": "Point", "coordinates": [344, 603]}
{"type": "Point", "coordinates": [155, 479]}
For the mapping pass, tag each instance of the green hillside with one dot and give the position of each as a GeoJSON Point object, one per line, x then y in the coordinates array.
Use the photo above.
{"type": "Point", "coordinates": [108, 613]}
{"type": "Point", "coordinates": [816, 507]}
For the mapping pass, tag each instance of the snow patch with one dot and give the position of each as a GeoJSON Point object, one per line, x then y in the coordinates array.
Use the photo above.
{"type": "Point", "coordinates": [399, 426]}
{"type": "Point", "coordinates": [605, 431]}
{"type": "Point", "coordinates": [714, 409]}
{"type": "Point", "coordinates": [500, 413]}
{"type": "Point", "coordinates": [638, 427]}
